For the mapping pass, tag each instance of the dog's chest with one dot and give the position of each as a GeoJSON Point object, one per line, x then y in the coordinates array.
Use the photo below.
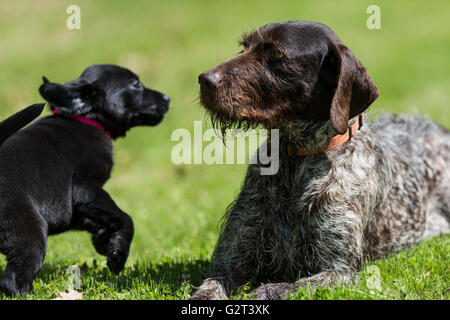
{"type": "Point", "coordinates": [285, 224]}
{"type": "Point", "coordinates": [298, 222]}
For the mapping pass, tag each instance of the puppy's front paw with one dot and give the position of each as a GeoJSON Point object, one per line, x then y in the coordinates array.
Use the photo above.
{"type": "Point", "coordinates": [116, 261]}
{"type": "Point", "coordinates": [100, 241]}
{"type": "Point", "coordinates": [118, 249]}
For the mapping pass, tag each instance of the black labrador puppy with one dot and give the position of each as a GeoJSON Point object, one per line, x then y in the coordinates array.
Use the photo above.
{"type": "Point", "coordinates": [52, 172]}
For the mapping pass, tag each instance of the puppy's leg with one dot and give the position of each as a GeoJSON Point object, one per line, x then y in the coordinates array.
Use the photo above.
{"type": "Point", "coordinates": [24, 242]}
{"type": "Point", "coordinates": [280, 291]}
{"type": "Point", "coordinates": [112, 229]}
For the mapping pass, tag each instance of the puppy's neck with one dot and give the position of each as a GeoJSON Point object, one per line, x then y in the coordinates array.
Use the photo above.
{"type": "Point", "coordinates": [84, 120]}
{"type": "Point", "coordinates": [309, 136]}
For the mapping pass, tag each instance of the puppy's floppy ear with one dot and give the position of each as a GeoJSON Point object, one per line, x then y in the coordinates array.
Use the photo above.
{"type": "Point", "coordinates": [76, 97]}
{"type": "Point", "coordinates": [355, 90]}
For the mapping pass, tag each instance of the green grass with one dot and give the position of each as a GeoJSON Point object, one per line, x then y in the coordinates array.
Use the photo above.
{"type": "Point", "coordinates": [176, 209]}
{"type": "Point", "coordinates": [422, 272]}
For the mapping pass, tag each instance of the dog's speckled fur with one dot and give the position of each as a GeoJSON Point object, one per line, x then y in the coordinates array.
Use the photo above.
{"type": "Point", "coordinates": [323, 216]}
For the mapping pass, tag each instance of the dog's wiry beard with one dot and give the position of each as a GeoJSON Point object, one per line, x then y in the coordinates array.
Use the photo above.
{"type": "Point", "coordinates": [228, 110]}
{"type": "Point", "coordinates": [224, 124]}
{"type": "Point", "coordinates": [238, 111]}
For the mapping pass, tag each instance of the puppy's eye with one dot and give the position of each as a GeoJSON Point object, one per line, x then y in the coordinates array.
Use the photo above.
{"type": "Point", "coordinates": [136, 85]}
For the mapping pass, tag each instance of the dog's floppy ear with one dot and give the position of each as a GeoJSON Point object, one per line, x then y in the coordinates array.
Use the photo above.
{"type": "Point", "coordinates": [76, 97]}
{"type": "Point", "coordinates": [355, 89]}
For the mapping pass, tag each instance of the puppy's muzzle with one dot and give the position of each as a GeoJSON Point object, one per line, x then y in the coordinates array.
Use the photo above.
{"type": "Point", "coordinates": [151, 117]}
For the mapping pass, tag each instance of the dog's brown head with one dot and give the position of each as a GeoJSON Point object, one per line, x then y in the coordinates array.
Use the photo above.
{"type": "Point", "coordinates": [296, 70]}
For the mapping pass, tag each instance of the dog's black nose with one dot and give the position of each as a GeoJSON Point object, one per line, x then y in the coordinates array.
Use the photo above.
{"type": "Point", "coordinates": [209, 80]}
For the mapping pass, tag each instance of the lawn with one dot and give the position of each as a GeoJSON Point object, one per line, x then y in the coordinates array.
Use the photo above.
{"type": "Point", "coordinates": [176, 209]}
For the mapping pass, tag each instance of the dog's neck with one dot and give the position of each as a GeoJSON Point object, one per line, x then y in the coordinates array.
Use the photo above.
{"type": "Point", "coordinates": [308, 137]}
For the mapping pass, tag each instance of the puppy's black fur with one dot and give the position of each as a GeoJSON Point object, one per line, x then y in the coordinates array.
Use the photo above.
{"type": "Point", "coordinates": [52, 172]}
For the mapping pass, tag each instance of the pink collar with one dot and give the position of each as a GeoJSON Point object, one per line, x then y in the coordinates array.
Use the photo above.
{"type": "Point", "coordinates": [84, 120]}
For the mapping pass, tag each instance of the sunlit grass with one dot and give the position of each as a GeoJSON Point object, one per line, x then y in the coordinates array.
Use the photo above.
{"type": "Point", "coordinates": [168, 43]}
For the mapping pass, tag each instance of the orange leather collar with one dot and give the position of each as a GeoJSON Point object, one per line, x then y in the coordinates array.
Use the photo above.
{"type": "Point", "coordinates": [333, 143]}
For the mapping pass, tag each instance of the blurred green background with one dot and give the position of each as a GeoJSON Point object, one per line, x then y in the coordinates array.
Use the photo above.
{"type": "Point", "coordinates": [176, 209]}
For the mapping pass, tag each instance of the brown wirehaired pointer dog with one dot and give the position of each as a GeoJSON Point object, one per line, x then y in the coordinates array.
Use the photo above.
{"type": "Point", "coordinates": [346, 191]}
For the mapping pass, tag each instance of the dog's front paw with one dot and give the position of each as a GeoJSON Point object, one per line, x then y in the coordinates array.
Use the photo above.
{"type": "Point", "coordinates": [272, 291]}
{"type": "Point", "coordinates": [210, 290]}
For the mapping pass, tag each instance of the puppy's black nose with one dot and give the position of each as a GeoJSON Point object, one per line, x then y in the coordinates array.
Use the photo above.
{"type": "Point", "coordinates": [166, 98]}
{"type": "Point", "coordinates": [165, 105]}
{"type": "Point", "coordinates": [209, 80]}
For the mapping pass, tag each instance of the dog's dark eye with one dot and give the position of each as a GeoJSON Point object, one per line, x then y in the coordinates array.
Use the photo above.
{"type": "Point", "coordinates": [277, 55]}
{"type": "Point", "coordinates": [136, 85]}
{"type": "Point", "coordinates": [272, 52]}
